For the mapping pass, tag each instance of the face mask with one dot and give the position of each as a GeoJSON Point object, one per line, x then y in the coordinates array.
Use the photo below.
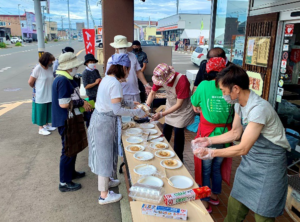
{"type": "Point", "coordinates": [135, 50]}
{"type": "Point", "coordinates": [50, 65]}
{"type": "Point", "coordinates": [122, 51]}
{"type": "Point", "coordinates": [74, 72]}
{"type": "Point", "coordinates": [228, 99]}
{"type": "Point", "coordinates": [91, 66]}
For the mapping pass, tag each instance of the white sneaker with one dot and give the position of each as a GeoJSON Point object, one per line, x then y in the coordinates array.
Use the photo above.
{"type": "Point", "coordinates": [44, 132]}
{"type": "Point", "coordinates": [111, 198]}
{"type": "Point", "coordinates": [113, 183]}
{"type": "Point", "coordinates": [50, 128]}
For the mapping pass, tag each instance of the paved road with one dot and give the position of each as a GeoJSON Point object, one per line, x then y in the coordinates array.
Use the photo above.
{"type": "Point", "coordinates": [16, 65]}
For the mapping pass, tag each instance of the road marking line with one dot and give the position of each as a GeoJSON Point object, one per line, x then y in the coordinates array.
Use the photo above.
{"type": "Point", "coordinates": [18, 101]}
{"type": "Point", "coordinates": [9, 107]}
{"type": "Point", "coordinates": [79, 52]}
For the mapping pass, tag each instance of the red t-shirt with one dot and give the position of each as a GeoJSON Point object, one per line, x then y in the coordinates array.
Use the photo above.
{"type": "Point", "coordinates": [182, 88]}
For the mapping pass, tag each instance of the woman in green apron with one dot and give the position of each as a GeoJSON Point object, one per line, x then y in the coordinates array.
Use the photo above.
{"type": "Point", "coordinates": [261, 180]}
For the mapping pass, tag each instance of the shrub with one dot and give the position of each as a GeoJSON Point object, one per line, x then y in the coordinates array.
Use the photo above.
{"type": "Point", "coordinates": [18, 44]}
{"type": "Point", "coordinates": [55, 40]}
{"type": "Point", "coordinates": [46, 41]}
{"type": "Point", "coordinates": [2, 45]}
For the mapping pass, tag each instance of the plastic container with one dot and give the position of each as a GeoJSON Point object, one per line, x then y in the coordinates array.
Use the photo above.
{"type": "Point", "coordinates": [146, 193]}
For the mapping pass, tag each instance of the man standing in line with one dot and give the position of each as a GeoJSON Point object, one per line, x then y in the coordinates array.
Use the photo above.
{"type": "Point", "coordinates": [130, 87]}
{"type": "Point", "coordinates": [143, 60]}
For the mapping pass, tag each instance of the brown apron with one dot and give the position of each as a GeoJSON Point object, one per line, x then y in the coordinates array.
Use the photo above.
{"type": "Point", "coordinates": [182, 117]}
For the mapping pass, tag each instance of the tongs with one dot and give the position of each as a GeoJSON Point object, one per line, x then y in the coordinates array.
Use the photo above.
{"type": "Point", "coordinates": [162, 135]}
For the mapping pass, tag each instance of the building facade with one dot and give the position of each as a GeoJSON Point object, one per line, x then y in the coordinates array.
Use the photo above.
{"type": "Point", "coordinates": [28, 26]}
{"type": "Point", "coordinates": [184, 27]}
{"type": "Point", "coordinates": [51, 30]}
{"type": "Point", "coordinates": [79, 27]}
{"type": "Point", "coordinates": [11, 22]}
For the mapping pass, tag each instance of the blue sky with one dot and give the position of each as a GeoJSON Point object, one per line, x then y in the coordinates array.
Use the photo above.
{"type": "Point", "coordinates": [156, 9]}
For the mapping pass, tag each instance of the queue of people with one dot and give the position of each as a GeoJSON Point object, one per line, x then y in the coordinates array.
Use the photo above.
{"type": "Point", "coordinates": [228, 109]}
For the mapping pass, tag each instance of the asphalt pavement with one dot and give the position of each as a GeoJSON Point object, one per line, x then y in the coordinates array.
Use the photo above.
{"type": "Point", "coordinates": [29, 162]}
{"type": "Point", "coordinates": [17, 63]}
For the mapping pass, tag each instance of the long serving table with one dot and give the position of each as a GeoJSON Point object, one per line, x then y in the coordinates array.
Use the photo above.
{"type": "Point", "coordinates": [194, 214]}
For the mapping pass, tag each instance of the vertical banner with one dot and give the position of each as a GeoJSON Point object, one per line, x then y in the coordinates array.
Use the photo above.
{"type": "Point", "coordinates": [89, 40]}
{"type": "Point", "coordinates": [201, 40]}
{"type": "Point", "coordinates": [99, 31]}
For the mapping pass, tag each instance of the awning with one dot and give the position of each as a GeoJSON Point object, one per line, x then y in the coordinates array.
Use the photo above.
{"type": "Point", "coordinates": [194, 34]}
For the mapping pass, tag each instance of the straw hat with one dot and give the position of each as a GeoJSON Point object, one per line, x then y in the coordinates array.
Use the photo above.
{"type": "Point", "coordinates": [67, 61]}
{"type": "Point", "coordinates": [163, 74]}
{"type": "Point", "coordinates": [120, 41]}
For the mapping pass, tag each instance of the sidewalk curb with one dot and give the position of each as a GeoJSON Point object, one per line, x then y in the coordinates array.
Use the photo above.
{"type": "Point", "coordinates": [124, 203]}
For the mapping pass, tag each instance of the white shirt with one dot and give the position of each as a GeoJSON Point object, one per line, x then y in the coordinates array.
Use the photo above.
{"type": "Point", "coordinates": [43, 84]}
{"type": "Point", "coordinates": [110, 88]}
{"type": "Point", "coordinates": [131, 87]}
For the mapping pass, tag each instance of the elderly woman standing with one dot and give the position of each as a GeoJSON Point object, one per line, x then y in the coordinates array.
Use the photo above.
{"type": "Point", "coordinates": [104, 141]}
{"type": "Point", "coordinates": [41, 80]}
{"type": "Point", "coordinates": [65, 90]}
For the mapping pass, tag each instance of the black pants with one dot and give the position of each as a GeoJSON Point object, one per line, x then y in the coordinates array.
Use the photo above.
{"type": "Point", "coordinates": [143, 91]}
{"type": "Point", "coordinates": [178, 139]}
{"type": "Point", "coordinates": [88, 115]}
{"type": "Point", "coordinates": [67, 164]}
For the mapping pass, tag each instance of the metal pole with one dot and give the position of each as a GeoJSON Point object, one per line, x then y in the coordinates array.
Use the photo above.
{"type": "Point", "coordinates": [177, 6]}
{"type": "Point", "coordinates": [213, 18]}
{"type": "Point", "coordinates": [87, 13]}
{"type": "Point", "coordinates": [69, 24]}
{"type": "Point", "coordinates": [20, 19]}
{"type": "Point", "coordinates": [39, 27]}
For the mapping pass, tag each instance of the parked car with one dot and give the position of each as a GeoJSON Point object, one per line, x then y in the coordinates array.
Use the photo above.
{"type": "Point", "coordinates": [200, 54]}
{"type": "Point", "coordinates": [99, 43]}
{"type": "Point", "coordinates": [147, 43]}
{"type": "Point", "coordinates": [15, 40]}
{"type": "Point", "coordinates": [80, 39]}
{"type": "Point", "coordinates": [29, 40]}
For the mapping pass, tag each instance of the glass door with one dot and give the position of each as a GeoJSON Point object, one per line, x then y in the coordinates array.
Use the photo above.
{"type": "Point", "coordinates": [288, 92]}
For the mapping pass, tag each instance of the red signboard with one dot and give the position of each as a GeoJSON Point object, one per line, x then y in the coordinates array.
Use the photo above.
{"type": "Point", "coordinates": [167, 28]}
{"type": "Point", "coordinates": [89, 40]}
{"type": "Point", "coordinates": [289, 30]}
{"type": "Point", "coordinates": [295, 55]}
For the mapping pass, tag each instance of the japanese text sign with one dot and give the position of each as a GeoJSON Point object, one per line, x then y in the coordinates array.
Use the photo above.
{"type": "Point", "coordinates": [89, 40]}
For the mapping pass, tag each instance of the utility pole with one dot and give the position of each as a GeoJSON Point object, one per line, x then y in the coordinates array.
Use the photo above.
{"type": "Point", "coordinates": [62, 26]}
{"type": "Point", "coordinates": [39, 27]}
{"type": "Point", "coordinates": [177, 6]}
{"type": "Point", "coordinates": [87, 13]}
{"type": "Point", "coordinates": [20, 19]}
{"type": "Point", "coordinates": [44, 29]}
{"type": "Point", "coordinates": [69, 23]}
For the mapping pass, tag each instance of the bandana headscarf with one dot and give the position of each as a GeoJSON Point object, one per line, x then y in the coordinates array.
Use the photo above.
{"type": "Point", "coordinates": [121, 59]}
{"type": "Point", "coordinates": [215, 64]}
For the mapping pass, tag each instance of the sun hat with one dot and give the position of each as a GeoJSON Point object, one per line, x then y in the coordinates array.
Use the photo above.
{"type": "Point", "coordinates": [121, 59]}
{"type": "Point", "coordinates": [67, 61]}
{"type": "Point", "coordinates": [163, 74]}
{"type": "Point", "coordinates": [89, 57]}
{"type": "Point", "coordinates": [120, 41]}
{"type": "Point", "coordinates": [67, 49]}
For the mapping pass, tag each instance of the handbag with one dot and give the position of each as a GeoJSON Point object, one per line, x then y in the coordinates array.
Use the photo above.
{"type": "Point", "coordinates": [75, 133]}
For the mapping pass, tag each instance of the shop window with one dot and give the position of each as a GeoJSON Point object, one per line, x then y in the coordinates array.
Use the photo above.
{"type": "Point", "coordinates": [230, 28]}
{"type": "Point", "coordinates": [288, 97]}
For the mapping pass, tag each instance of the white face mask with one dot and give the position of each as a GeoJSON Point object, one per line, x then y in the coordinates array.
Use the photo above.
{"type": "Point", "coordinates": [74, 72]}
{"type": "Point", "coordinates": [122, 51]}
{"type": "Point", "coordinates": [91, 66]}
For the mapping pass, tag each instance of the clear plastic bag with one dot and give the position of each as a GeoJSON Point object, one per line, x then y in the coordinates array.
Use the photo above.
{"type": "Point", "coordinates": [146, 193]}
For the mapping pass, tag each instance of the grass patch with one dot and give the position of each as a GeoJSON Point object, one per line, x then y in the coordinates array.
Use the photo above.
{"type": "Point", "coordinates": [2, 45]}
{"type": "Point", "coordinates": [18, 44]}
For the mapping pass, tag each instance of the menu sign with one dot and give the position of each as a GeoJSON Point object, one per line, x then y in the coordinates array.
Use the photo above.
{"type": "Point", "coordinates": [255, 82]}
{"type": "Point", "coordinates": [258, 51]}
